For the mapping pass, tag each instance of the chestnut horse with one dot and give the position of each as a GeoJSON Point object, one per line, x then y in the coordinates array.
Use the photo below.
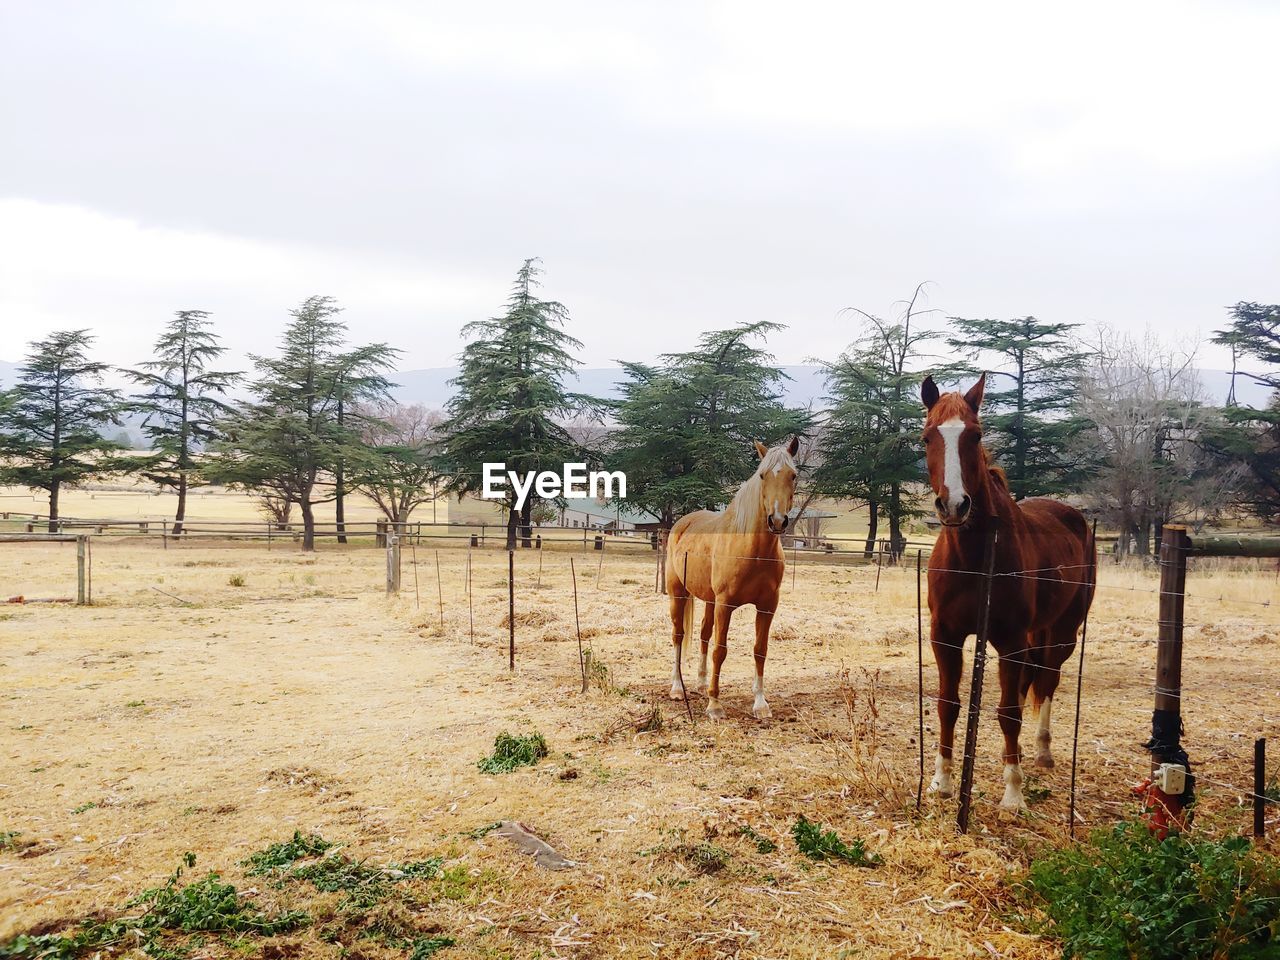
{"type": "Point", "coordinates": [729, 559]}
{"type": "Point", "coordinates": [1045, 566]}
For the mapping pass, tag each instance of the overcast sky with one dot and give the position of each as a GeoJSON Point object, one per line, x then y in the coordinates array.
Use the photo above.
{"type": "Point", "coordinates": [676, 166]}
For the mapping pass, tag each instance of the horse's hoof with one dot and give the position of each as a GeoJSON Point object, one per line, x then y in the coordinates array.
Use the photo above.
{"type": "Point", "coordinates": [677, 692]}
{"type": "Point", "coordinates": [715, 711]}
{"type": "Point", "coordinates": [939, 790]}
{"type": "Point", "coordinates": [761, 711]}
{"type": "Point", "coordinates": [1044, 760]}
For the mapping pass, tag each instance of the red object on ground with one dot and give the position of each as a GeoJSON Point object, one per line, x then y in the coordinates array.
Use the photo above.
{"type": "Point", "coordinates": [1160, 811]}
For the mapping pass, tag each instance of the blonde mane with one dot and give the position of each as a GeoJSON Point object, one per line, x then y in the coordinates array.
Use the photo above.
{"type": "Point", "coordinates": [745, 510]}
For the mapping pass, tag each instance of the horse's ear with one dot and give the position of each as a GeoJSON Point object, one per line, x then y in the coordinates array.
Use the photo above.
{"type": "Point", "coordinates": [929, 392]}
{"type": "Point", "coordinates": [974, 397]}
{"type": "Point", "coordinates": [761, 449]}
{"type": "Point", "coordinates": [793, 446]}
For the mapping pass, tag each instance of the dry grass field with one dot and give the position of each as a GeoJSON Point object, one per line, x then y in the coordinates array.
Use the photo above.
{"type": "Point", "coordinates": [218, 697]}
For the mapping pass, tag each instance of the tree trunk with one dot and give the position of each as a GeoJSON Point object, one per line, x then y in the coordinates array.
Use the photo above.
{"type": "Point", "coordinates": [526, 524]}
{"type": "Point", "coordinates": [873, 527]}
{"type": "Point", "coordinates": [895, 523]}
{"type": "Point", "coordinates": [308, 525]}
{"type": "Point", "coordinates": [339, 504]}
{"type": "Point", "coordinates": [511, 528]}
{"type": "Point", "coordinates": [182, 504]}
{"type": "Point", "coordinates": [54, 489]}
{"type": "Point", "coordinates": [1142, 538]}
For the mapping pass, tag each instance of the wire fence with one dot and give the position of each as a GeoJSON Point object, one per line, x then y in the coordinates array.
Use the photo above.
{"type": "Point", "coordinates": [1223, 717]}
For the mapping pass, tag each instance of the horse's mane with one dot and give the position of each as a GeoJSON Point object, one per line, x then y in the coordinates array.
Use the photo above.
{"type": "Point", "coordinates": [998, 476]}
{"type": "Point", "coordinates": [744, 511]}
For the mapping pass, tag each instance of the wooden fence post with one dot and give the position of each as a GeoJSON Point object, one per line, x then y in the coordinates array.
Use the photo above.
{"type": "Point", "coordinates": [511, 610]}
{"type": "Point", "coordinates": [393, 564]}
{"type": "Point", "coordinates": [975, 687]}
{"type": "Point", "coordinates": [577, 624]}
{"type": "Point", "coordinates": [1166, 720]}
{"type": "Point", "coordinates": [82, 579]}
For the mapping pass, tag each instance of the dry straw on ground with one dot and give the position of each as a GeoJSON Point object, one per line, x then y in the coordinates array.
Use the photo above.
{"type": "Point", "coordinates": [143, 727]}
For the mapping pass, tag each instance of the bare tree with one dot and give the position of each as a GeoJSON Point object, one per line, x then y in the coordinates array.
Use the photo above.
{"type": "Point", "coordinates": [399, 471]}
{"type": "Point", "coordinates": [1146, 409]}
{"type": "Point", "coordinates": [276, 509]}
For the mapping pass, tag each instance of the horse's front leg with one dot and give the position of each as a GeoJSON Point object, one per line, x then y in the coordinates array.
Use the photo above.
{"type": "Point", "coordinates": [948, 652]}
{"type": "Point", "coordinates": [1009, 713]}
{"type": "Point", "coordinates": [718, 652]}
{"type": "Point", "coordinates": [760, 709]}
{"type": "Point", "coordinates": [680, 601]}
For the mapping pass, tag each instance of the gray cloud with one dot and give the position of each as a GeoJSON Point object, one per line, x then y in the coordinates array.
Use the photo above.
{"type": "Point", "coordinates": [688, 167]}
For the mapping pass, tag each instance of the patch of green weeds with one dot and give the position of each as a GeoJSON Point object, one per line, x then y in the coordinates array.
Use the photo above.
{"type": "Point", "coordinates": [512, 752]}
{"type": "Point", "coordinates": [91, 805]}
{"type": "Point", "coordinates": [1127, 893]}
{"type": "Point", "coordinates": [285, 854]}
{"type": "Point", "coordinates": [763, 844]}
{"type": "Point", "coordinates": [819, 844]}
{"type": "Point", "coordinates": [174, 918]}
{"type": "Point", "coordinates": [312, 859]}
{"type": "Point", "coordinates": [236, 580]}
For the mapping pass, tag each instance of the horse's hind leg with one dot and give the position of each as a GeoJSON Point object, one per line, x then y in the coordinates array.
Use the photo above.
{"type": "Point", "coordinates": [723, 612]}
{"type": "Point", "coordinates": [760, 709]}
{"type": "Point", "coordinates": [708, 625]}
{"type": "Point", "coordinates": [1009, 713]}
{"type": "Point", "coordinates": [1060, 642]}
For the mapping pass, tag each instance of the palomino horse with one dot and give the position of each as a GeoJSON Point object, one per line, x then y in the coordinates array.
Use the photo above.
{"type": "Point", "coordinates": [1045, 569]}
{"type": "Point", "coordinates": [727, 560]}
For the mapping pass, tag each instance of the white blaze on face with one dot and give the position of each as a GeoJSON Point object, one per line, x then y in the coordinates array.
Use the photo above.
{"type": "Point", "coordinates": [951, 475]}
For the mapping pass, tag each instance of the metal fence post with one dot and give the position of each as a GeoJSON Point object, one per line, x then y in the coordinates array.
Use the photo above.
{"type": "Point", "coordinates": [975, 687]}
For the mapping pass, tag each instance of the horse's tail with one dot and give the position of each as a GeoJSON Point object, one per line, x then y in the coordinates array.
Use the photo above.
{"type": "Point", "coordinates": [689, 604]}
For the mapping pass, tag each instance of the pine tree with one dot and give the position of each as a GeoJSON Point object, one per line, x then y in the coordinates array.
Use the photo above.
{"type": "Point", "coordinates": [289, 441]}
{"type": "Point", "coordinates": [1029, 423]}
{"type": "Point", "coordinates": [359, 378]}
{"type": "Point", "coordinates": [49, 429]}
{"type": "Point", "coordinates": [511, 402]}
{"type": "Point", "coordinates": [686, 425]}
{"type": "Point", "coordinates": [869, 448]}
{"type": "Point", "coordinates": [1248, 438]}
{"type": "Point", "coordinates": [181, 404]}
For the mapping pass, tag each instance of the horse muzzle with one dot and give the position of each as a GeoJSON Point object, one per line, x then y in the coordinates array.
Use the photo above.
{"type": "Point", "coordinates": [777, 527]}
{"type": "Point", "coordinates": [956, 516]}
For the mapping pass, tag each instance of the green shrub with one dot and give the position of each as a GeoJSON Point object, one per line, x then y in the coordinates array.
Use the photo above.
{"type": "Point", "coordinates": [205, 906]}
{"type": "Point", "coordinates": [1127, 894]}
{"type": "Point", "coordinates": [511, 752]}
{"type": "Point", "coordinates": [818, 844]}
{"type": "Point", "coordinates": [284, 854]}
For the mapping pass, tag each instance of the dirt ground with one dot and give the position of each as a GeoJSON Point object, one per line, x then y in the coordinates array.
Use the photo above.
{"type": "Point", "coordinates": [217, 697]}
